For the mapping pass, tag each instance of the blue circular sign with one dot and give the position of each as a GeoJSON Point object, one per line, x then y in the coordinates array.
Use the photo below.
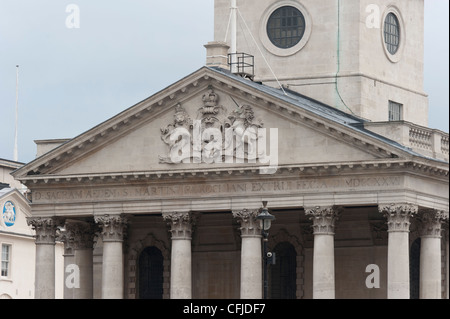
{"type": "Point", "coordinates": [9, 214]}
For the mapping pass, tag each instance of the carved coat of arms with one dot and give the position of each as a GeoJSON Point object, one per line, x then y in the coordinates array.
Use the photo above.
{"type": "Point", "coordinates": [216, 135]}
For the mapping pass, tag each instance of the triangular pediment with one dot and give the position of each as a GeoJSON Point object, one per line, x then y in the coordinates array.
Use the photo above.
{"type": "Point", "coordinates": [199, 108]}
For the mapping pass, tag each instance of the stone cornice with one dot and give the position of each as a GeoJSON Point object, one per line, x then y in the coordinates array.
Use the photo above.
{"type": "Point", "coordinates": [303, 169]}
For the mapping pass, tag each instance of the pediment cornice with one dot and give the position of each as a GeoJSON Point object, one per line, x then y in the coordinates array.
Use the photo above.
{"type": "Point", "coordinates": [47, 165]}
{"type": "Point", "coordinates": [394, 166]}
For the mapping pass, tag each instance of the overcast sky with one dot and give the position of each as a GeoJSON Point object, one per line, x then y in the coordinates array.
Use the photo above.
{"type": "Point", "coordinates": [125, 51]}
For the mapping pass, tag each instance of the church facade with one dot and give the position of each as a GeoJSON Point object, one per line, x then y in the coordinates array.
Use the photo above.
{"type": "Point", "coordinates": [161, 201]}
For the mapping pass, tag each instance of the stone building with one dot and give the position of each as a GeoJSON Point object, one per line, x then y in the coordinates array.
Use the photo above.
{"type": "Point", "coordinates": [161, 200]}
{"type": "Point", "coordinates": [17, 244]}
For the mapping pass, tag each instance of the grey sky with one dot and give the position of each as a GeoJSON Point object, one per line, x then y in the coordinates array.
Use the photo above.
{"type": "Point", "coordinates": [125, 51]}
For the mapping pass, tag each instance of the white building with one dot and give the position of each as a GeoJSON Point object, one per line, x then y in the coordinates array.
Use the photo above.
{"type": "Point", "coordinates": [161, 201]}
{"type": "Point", "coordinates": [17, 240]}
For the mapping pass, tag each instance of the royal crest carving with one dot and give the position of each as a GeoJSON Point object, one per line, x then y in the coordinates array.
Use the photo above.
{"type": "Point", "coordinates": [215, 136]}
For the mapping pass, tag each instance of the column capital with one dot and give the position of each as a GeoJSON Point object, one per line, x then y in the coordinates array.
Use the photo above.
{"type": "Point", "coordinates": [180, 224]}
{"type": "Point", "coordinates": [113, 227]}
{"type": "Point", "coordinates": [45, 228]}
{"type": "Point", "coordinates": [398, 216]}
{"type": "Point", "coordinates": [80, 234]}
{"type": "Point", "coordinates": [250, 226]}
{"type": "Point", "coordinates": [431, 222]}
{"type": "Point", "coordinates": [323, 218]}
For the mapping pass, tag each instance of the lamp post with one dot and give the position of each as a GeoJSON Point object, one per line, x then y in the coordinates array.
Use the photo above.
{"type": "Point", "coordinates": [266, 222]}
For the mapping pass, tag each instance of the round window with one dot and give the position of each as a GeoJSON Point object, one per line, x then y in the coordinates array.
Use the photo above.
{"type": "Point", "coordinates": [286, 27]}
{"type": "Point", "coordinates": [392, 33]}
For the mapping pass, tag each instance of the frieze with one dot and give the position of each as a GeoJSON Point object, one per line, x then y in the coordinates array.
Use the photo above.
{"type": "Point", "coordinates": [216, 189]}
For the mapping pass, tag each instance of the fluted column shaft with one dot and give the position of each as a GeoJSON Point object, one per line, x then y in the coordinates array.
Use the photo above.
{"type": "Point", "coordinates": [45, 229]}
{"type": "Point", "coordinates": [82, 236]}
{"type": "Point", "coordinates": [181, 259]}
{"type": "Point", "coordinates": [113, 228]}
{"type": "Point", "coordinates": [398, 220]}
{"type": "Point", "coordinates": [323, 257]}
{"type": "Point", "coordinates": [430, 253]}
{"type": "Point", "coordinates": [251, 254]}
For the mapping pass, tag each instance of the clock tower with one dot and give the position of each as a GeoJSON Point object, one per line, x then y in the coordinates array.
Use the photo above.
{"type": "Point", "coordinates": [364, 57]}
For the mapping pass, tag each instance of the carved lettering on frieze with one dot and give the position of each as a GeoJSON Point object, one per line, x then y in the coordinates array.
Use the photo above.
{"type": "Point", "coordinates": [217, 188]}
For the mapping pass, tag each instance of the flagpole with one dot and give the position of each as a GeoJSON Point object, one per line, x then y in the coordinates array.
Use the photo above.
{"type": "Point", "coordinates": [16, 156]}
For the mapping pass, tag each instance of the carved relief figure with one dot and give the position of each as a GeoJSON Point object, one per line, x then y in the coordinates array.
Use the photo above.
{"type": "Point", "coordinates": [213, 136]}
{"type": "Point", "coordinates": [177, 135]}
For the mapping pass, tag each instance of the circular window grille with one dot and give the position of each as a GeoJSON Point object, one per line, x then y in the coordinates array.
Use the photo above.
{"type": "Point", "coordinates": [286, 27]}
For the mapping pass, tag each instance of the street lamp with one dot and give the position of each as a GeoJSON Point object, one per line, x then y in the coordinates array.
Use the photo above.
{"type": "Point", "coordinates": [266, 222]}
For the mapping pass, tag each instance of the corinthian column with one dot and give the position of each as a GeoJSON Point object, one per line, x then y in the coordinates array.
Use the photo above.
{"type": "Point", "coordinates": [323, 259]}
{"type": "Point", "coordinates": [181, 260]}
{"type": "Point", "coordinates": [82, 237]}
{"type": "Point", "coordinates": [112, 230]}
{"type": "Point", "coordinates": [398, 220]}
{"type": "Point", "coordinates": [251, 255]}
{"type": "Point", "coordinates": [430, 253]}
{"type": "Point", "coordinates": [45, 229]}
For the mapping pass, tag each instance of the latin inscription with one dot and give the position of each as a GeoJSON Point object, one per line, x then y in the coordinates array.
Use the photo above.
{"type": "Point", "coordinates": [210, 189]}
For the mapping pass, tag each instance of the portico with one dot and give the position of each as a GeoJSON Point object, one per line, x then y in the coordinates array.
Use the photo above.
{"type": "Point", "coordinates": [144, 223]}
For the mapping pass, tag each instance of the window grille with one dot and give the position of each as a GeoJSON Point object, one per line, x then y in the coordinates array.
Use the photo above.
{"type": "Point", "coordinates": [286, 27]}
{"type": "Point", "coordinates": [392, 33]}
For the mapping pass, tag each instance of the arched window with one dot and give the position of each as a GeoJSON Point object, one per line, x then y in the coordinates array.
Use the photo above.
{"type": "Point", "coordinates": [151, 274]}
{"type": "Point", "coordinates": [283, 275]}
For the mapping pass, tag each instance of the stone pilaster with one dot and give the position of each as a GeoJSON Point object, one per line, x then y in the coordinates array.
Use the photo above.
{"type": "Point", "coordinates": [180, 224]}
{"type": "Point", "coordinates": [251, 254]}
{"type": "Point", "coordinates": [69, 259]}
{"type": "Point", "coordinates": [323, 219]}
{"type": "Point", "coordinates": [45, 229]}
{"type": "Point", "coordinates": [82, 236]}
{"type": "Point", "coordinates": [430, 253]}
{"type": "Point", "coordinates": [398, 220]}
{"type": "Point", "coordinates": [113, 228]}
